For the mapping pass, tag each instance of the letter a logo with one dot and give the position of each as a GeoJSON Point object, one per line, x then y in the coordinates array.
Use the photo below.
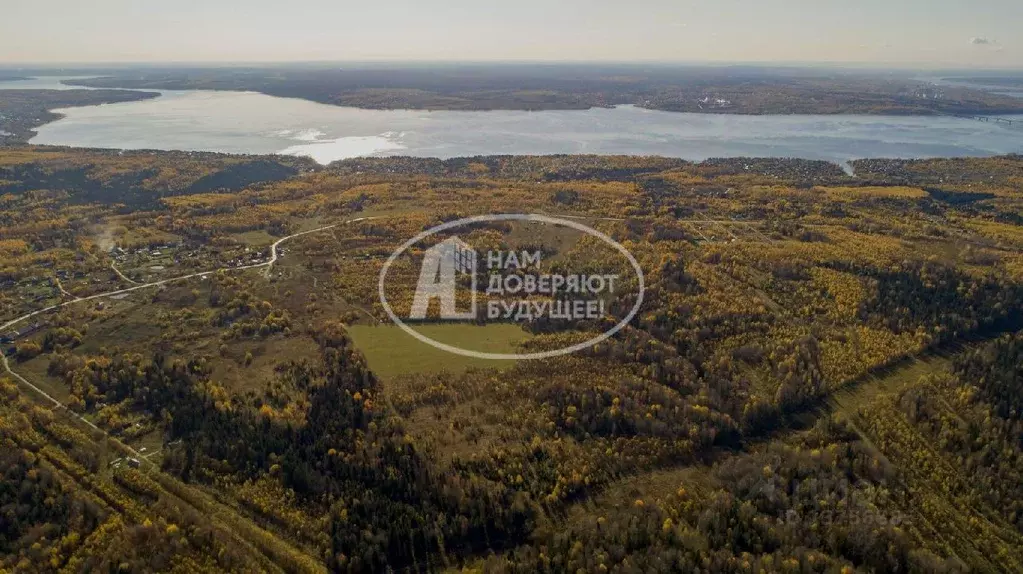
{"type": "Point", "coordinates": [442, 264]}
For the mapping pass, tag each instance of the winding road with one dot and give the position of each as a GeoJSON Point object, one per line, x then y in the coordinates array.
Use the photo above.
{"type": "Point", "coordinates": [274, 256]}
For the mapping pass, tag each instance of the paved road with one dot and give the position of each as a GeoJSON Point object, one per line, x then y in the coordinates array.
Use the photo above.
{"type": "Point", "coordinates": [57, 403]}
{"type": "Point", "coordinates": [273, 259]}
{"type": "Point", "coordinates": [273, 248]}
{"type": "Point", "coordinates": [274, 256]}
{"type": "Point", "coordinates": [7, 367]}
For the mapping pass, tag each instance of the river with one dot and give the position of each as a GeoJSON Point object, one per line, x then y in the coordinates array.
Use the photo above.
{"type": "Point", "coordinates": [248, 122]}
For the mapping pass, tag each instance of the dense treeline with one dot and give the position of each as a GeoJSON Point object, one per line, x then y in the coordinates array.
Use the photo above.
{"type": "Point", "coordinates": [580, 86]}
{"type": "Point", "coordinates": [823, 504]}
{"type": "Point", "coordinates": [63, 509]}
{"type": "Point", "coordinates": [349, 460]}
{"type": "Point", "coordinates": [139, 179]}
{"type": "Point", "coordinates": [974, 416]}
{"type": "Point", "coordinates": [37, 510]}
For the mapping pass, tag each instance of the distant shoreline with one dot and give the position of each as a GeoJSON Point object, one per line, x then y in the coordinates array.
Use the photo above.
{"type": "Point", "coordinates": [22, 111]}
{"type": "Point", "coordinates": [709, 91]}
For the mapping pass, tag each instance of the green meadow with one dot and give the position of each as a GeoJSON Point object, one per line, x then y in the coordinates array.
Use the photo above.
{"type": "Point", "coordinates": [391, 351]}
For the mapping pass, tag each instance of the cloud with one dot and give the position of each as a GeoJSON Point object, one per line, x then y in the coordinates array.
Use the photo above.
{"type": "Point", "coordinates": [978, 41]}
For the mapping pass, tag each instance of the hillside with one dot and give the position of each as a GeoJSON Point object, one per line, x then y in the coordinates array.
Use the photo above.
{"type": "Point", "coordinates": [823, 376]}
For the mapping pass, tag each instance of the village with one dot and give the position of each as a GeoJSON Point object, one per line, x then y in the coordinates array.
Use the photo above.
{"type": "Point", "coordinates": [79, 278]}
{"type": "Point", "coordinates": [142, 265]}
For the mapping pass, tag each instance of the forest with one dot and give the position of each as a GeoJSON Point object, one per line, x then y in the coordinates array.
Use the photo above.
{"type": "Point", "coordinates": [570, 86]}
{"type": "Point", "coordinates": [824, 375]}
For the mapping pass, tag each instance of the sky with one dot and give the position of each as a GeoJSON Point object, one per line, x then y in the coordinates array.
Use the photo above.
{"type": "Point", "coordinates": [926, 33]}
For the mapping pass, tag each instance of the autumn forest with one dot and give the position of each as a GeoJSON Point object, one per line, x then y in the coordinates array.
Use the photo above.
{"type": "Point", "coordinates": [825, 373]}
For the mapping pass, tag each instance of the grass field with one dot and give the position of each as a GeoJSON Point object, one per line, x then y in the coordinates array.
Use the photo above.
{"type": "Point", "coordinates": [257, 238]}
{"type": "Point", "coordinates": [391, 351]}
{"type": "Point", "coordinates": [898, 379]}
{"type": "Point", "coordinates": [35, 370]}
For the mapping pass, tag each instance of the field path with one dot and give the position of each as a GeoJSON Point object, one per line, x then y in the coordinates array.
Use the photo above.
{"type": "Point", "coordinates": [122, 275]}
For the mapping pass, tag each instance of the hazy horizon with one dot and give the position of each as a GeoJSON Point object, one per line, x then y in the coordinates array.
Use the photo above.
{"type": "Point", "coordinates": [58, 67]}
{"type": "Point", "coordinates": [907, 34]}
